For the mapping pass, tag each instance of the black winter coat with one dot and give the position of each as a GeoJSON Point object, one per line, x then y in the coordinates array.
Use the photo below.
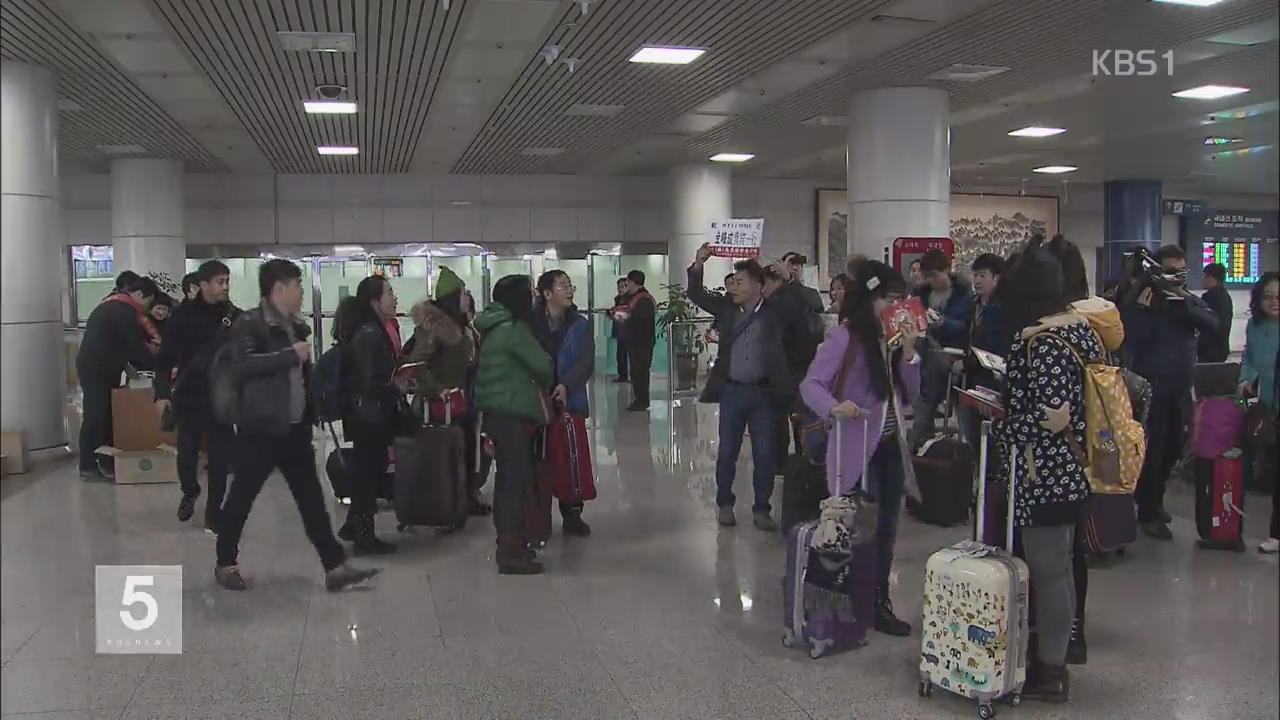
{"type": "Point", "coordinates": [194, 332]}
{"type": "Point", "coordinates": [263, 359]}
{"type": "Point", "coordinates": [1214, 346]}
{"type": "Point", "coordinates": [112, 339]}
{"type": "Point", "coordinates": [368, 362]}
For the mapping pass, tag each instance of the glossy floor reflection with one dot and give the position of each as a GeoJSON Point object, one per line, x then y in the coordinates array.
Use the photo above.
{"type": "Point", "coordinates": [658, 615]}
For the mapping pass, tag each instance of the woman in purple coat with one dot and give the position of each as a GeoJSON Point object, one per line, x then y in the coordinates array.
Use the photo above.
{"type": "Point", "coordinates": [865, 381]}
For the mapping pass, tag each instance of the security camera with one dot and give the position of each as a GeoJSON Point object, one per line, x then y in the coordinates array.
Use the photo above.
{"type": "Point", "coordinates": [330, 92]}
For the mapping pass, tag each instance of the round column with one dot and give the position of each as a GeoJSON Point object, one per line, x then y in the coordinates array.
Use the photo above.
{"type": "Point", "coordinates": [32, 375]}
{"type": "Point", "coordinates": [1131, 211]}
{"type": "Point", "coordinates": [699, 194]}
{"type": "Point", "coordinates": [147, 233]}
{"type": "Point", "coordinates": [899, 167]}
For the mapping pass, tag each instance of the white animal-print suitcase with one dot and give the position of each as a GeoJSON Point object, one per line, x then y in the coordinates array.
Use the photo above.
{"type": "Point", "coordinates": [974, 639]}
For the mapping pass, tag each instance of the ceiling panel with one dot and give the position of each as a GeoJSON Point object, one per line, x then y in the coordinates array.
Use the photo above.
{"type": "Point", "coordinates": [401, 52]}
{"type": "Point", "coordinates": [743, 37]}
{"type": "Point", "coordinates": [115, 111]}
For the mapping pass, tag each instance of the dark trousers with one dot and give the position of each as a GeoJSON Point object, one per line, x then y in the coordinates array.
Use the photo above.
{"type": "Point", "coordinates": [513, 446]}
{"type": "Point", "coordinates": [369, 455]}
{"type": "Point", "coordinates": [744, 407]}
{"type": "Point", "coordinates": [219, 447]}
{"type": "Point", "coordinates": [886, 478]}
{"type": "Point", "coordinates": [640, 362]}
{"type": "Point", "coordinates": [294, 456]}
{"type": "Point", "coordinates": [622, 357]}
{"type": "Point", "coordinates": [1166, 435]}
{"type": "Point", "coordinates": [95, 426]}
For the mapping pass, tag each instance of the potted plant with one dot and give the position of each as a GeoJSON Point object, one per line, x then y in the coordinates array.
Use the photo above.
{"type": "Point", "coordinates": [687, 343]}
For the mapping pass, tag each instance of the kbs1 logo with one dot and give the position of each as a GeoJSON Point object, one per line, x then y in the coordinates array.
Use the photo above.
{"type": "Point", "coordinates": [1132, 63]}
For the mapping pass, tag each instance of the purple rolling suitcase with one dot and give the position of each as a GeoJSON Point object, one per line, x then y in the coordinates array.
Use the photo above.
{"type": "Point", "coordinates": [844, 619]}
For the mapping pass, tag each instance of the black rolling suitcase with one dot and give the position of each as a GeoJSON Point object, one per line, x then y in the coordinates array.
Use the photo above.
{"type": "Point", "coordinates": [339, 466]}
{"type": "Point", "coordinates": [944, 473]}
{"type": "Point", "coordinates": [431, 478]}
{"type": "Point", "coordinates": [804, 487]}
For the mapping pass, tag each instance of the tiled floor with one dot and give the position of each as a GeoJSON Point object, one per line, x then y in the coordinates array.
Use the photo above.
{"type": "Point", "coordinates": [659, 615]}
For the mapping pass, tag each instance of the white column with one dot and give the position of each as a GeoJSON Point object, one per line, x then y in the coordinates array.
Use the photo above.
{"type": "Point", "coordinates": [32, 376]}
{"type": "Point", "coordinates": [899, 167]}
{"type": "Point", "coordinates": [147, 233]}
{"type": "Point", "coordinates": [699, 194]}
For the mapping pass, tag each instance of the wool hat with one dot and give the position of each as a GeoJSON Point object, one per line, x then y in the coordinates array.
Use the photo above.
{"type": "Point", "coordinates": [448, 283]}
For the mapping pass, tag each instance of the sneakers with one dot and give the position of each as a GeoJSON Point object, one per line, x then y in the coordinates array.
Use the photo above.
{"type": "Point", "coordinates": [573, 524]}
{"type": "Point", "coordinates": [1270, 546]}
{"type": "Point", "coordinates": [764, 522]}
{"type": "Point", "coordinates": [1077, 648]}
{"type": "Point", "coordinates": [229, 577]}
{"type": "Point", "coordinates": [886, 621]}
{"type": "Point", "coordinates": [1157, 529]}
{"type": "Point", "coordinates": [186, 507]}
{"type": "Point", "coordinates": [344, 576]}
{"type": "Point", "coordinates": [1047, 683]}
{"type": "Point", "coordinates": [725, 517]}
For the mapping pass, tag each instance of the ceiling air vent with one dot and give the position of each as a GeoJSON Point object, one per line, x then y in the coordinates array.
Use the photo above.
{"type": "Point", "coordinates": [317, 41]}
{"type": "Point", "coordinates": [964, 72]}
{"type": "Point", "coordinates": [589, 110]}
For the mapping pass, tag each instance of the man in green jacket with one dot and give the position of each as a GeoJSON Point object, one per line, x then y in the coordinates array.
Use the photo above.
{"type": "Point", "coordinates": [512, 382]}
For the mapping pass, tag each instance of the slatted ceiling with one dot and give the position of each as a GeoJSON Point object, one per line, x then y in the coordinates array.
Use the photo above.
{"type": "Point", "coordinates": [401, 50]}
{"type": "Point", "coordinates": [743, 36]}
{"type": "Point", "coordinates": [1041, 40]}
{"type": "Point", "coordinates": [115, 111]}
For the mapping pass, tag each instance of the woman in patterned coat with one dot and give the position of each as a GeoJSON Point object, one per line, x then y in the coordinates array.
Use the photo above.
{"type": "Point", "coordinates": [1044, 403]}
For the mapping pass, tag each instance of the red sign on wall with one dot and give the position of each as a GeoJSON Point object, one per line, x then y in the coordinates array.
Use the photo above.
{"type": "Point", "coordinates": [908, 249]}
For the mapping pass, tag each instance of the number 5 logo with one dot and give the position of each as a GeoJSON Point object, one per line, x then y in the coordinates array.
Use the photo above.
{"type": "Point", "coordinates": [133, 596]}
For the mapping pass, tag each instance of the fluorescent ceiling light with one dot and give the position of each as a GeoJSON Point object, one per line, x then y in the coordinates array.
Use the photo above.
{"type": "Point", "coordinates": [1037, 132]}
{"type": "Point", "coordinates": [329, 107]}
{"type": "Point", "coordinates": [731, 157]}
{"type": "Point", "coordinates": [1216, 140]}
{"type": "Point", "coordinates": [1239, 153]}
{"type": "Point", "coordinates": [1210, 92]}
{"type": "Point", "coordinates": [1192, 3]}
{"type": "Point", "coordinates": [338, 150]}
{"type": "Point", "coordinates": [1056, 169]}
{"type": "Point", "coordinates": [316, 41]}
{"type": "Point", "coordinates": [967, 72]}
{"type": "Point", "coordinates": [667, 55]}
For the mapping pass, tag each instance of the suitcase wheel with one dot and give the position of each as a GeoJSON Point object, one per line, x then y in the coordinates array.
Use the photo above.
{"type": "Point", "coordinates": [788, 638]}
{"type": "Point", "coordinates": [1015, 699]}
{"type": "Point", "coordinates": [926, 688]}
{"type": "Point", "coordinates": [816, 651]}
{"type": "Point", "coordinates": [986, 711]}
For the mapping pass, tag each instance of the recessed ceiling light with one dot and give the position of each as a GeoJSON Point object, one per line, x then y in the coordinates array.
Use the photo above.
{"type": "Point", "coordinates": [1056, 169]}
{"type": "Point", "coordinates": [1037, 132]}
{"type": "Point", "coordinates": [1193, 3]}
{"type": "Point", "coordinates": [731, 157]}
{"type": "Point", "coordinates": [317, 41]}
{"type": "Point", "coordinates": [328, 107]}
{"type": "Point", "coordinates": [338, 150]}
{"type": "Point", "coordinates": [1210, 92]}
{"type": "Point", "coordinates": [667, 55]}
{"type": "Point", "coordinates": [1216, 140]}
{"type": "Point", "coordinates": [968, 72]}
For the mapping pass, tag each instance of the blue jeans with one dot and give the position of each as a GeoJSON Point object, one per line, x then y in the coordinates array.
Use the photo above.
{"type": "Point", "coordinates": [886, 479]}
{"type": "Point", "coordinates": [742, 407]}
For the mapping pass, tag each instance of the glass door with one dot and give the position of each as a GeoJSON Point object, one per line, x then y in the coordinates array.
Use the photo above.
{"type": "Point", "coordinates": [410, 278]}
{"type": "Point", "coordinates": [332, 280]}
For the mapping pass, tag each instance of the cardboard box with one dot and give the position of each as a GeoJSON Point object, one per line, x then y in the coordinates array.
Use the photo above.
{"type": "Point", "coordinates": [13, 446]}
{"type": "Point", "coordinates": [135, 424]}
{"type": "Point", "coordinates": [138, 467]}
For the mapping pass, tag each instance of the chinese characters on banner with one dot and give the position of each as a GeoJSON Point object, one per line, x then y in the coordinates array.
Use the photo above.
{"type": "Point", "coordinates": [736, 237]}
{"type": "Point", "coordinates": [907, 250]}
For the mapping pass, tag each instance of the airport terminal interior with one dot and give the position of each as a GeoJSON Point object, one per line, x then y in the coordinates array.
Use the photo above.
{"type": "Point", "coordinates": [432, 142]}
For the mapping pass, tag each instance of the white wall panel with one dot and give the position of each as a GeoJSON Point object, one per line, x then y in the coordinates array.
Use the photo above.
{"type": "Point", "coordinates": [452, 224]}
{"type": "Point", "coordinates": [406, 224]}
{"type": "Point", "coordinates": [302, 225]}
{"type": "Point", "coordinates": [600, 225]}
{"type": "Point", "coordinates": [360, 224]}
{"type": "Point", "coordinates": [504, 225]}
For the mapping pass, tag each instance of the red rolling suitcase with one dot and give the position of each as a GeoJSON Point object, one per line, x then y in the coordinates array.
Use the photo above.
{"type": "Point", "coordinates": [1220, 501]}
{"type": "Point", "coordinates": [569, 452]}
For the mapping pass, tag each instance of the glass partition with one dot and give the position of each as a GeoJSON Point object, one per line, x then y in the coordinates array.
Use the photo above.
{"type": "Point", "coordinates": [577, 272]}
{"type": "Point", "coordinates": [469, 268]}
{"type": "Point", "coordinates": [654, 268]}
{"type": "Point", "coordinates": [93, 272]}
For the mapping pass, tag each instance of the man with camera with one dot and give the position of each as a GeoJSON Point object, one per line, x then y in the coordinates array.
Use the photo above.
{"type": "Point", "coordinates": [1161, 319]}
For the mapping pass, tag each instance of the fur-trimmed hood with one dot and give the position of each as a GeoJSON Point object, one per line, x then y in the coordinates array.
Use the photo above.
{"type": "Point", "coordinates": [436, 322]}
{"type": "Point", "coordinates": [1104, 316]}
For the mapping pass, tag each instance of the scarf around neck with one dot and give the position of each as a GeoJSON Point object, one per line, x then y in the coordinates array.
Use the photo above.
{"type": "Point", "coordinates": [144, 320]}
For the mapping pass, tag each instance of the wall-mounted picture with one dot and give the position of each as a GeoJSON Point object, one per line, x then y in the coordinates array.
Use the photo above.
{"type": "Point", "coordinates": [980, 223]}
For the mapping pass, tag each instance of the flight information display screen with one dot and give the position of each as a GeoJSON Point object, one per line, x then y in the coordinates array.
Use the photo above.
{"type": "Point", "coordinates": [1243, 261]}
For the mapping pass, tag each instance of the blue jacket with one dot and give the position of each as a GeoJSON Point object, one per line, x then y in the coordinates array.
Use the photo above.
{"type": "Point", "coordinates": [953, 331]}
{"type": "Point", "coordinates": [1160, 339]}
{"type": "Point", "coordinates": [1261, 354]}
{"type": "Point", "coordinates": [573, 352]}
{"type": "Point", "coordinates": [988, 331]}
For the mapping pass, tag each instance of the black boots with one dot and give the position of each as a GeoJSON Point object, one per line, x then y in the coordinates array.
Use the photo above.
{"type": "Point", "coordinates": [886, 621]}
{"type": "Point", "coordinates": [1047, 683]}
{"type": "Point", "coordinates": [187, 507]}
{"type": "Point", "coordinates": [514, 558]}
{"type": "Point", "coordinates": [1077, 648]}
{"type": "Point", "coordinates": [366, 543]}
{"type": "Point", "coordinates": [573, 524]}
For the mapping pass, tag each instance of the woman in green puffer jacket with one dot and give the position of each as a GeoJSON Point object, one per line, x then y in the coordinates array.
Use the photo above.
{"type": "Point", "coordinates": [511, 387]}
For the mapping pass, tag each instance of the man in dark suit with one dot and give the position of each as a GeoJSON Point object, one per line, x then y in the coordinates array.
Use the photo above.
{"type": "Point", "coordinates": [751, 381]}
{"type": "Point", "coordinates": [1213, 347]}
{"type": "Point", "coordinates": [641, 334]}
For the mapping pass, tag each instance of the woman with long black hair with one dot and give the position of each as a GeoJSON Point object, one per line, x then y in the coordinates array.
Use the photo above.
{"type": "Point", "coordinates": [510, 391]}
{"type": "Point", "coordinates": [369, 360]}
{"type": "Point", "coordinates": [878, 382]}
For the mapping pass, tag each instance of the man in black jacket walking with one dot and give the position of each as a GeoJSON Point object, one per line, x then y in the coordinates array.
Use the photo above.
{"type": "Point", "coordinates": [641, 333]}
{"type": "Point", "coordinates": [195, 331]}
{"type": "Point", "coordinates": [269, 380]}
{"type": "Point", "coordinates": [1214, 347]}
{"type": "Point", "coordinates": [114, 336]}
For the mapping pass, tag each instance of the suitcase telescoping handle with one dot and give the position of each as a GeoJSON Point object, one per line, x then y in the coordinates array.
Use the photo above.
{"type": "Point", "coordinates": [984, 440]}
{"type": "Point", "coordinates": [837, 429]}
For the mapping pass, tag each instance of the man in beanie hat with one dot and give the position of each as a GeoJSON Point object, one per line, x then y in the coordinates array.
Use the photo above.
{"type": "Point", "coordinates": [442, 342]}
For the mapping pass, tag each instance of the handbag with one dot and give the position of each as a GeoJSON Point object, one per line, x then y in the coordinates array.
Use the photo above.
{"type": "Point", "coordinates": [451, 404]}
{"type": "Point", "coordinates": [1260, 426]}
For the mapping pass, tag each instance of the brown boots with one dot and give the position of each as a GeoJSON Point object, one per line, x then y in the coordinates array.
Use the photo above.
{"type": "Point", "coordinates": [514, 558]}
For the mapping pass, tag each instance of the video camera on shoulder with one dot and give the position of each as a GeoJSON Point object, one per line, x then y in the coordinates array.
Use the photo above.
{"type": "Point", "coordinates": [1145, 271]}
